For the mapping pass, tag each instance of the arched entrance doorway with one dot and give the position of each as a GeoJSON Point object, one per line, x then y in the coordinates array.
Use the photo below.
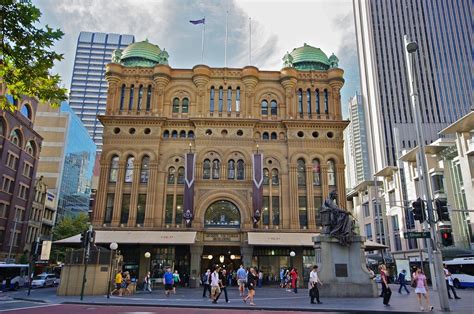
{"type": "Point", "coordinates": [222, 237]}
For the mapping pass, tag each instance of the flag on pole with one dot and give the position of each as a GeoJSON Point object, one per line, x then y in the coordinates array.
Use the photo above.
{"type": "Point", "coordinates": [201, 21]}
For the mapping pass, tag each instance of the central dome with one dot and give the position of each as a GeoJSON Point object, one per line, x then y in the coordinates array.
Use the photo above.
{"type": "Point", "coordinates": [141, 53]}
{"type": "Point", "coordinates": [309, 58]}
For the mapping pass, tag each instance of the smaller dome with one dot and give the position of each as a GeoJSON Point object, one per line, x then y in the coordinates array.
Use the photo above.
{"type": "Point", "coordinates": [309, 58]}
{"type": "Point", "coordinates": [141, 53]}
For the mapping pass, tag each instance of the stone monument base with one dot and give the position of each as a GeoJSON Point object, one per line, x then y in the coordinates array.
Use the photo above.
{"type": "Point", "coordinates": [342, 270]}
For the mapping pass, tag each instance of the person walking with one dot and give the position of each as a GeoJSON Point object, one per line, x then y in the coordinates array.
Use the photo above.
{"type": "Point", "coordinates": [251, 283]}
{"type": "Point", "coordinates": [118, 284]}
{"type": "Point", "coordinates": [294, 279]}
{"type": "Point", "coordinates": [168, 281]}
{"type": "Point", "coordinates": [420, 290]}
{"type": "Point", "coordinates": [387, 293]}
{"type": "Point", "coordinates": [223, 285]}
{"type": "Point", "coordinates": [260, 278]}
{"type": "Point", "coordinates": [176, 280]}
{"type": "Point", "coordinates": [282, 278]}
{"type": "Point", "coordinates": [206, 280]}
{"type": "Point", "coordinates": [402, 281]}
{"type": "Point", "coordinates": [313, 285]}
{"type": "Point", "coordinates": [450, 283]}
{"type": "Point", "coordinates": [147, 283]}
{"type": "Point", "coordinates": [241, 279]}
{"type": "Point", "coordinates": [215, 285]}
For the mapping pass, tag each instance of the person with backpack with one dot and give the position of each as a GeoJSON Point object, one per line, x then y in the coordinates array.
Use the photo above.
{"type": "Point", "coordinates": [402, 281]}
{"type": "Point", "coordinates": [205, 279]}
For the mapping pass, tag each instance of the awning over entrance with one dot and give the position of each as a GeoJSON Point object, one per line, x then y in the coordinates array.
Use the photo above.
{"type": "Point", "coordinates": [137, 237]}
{"type": "Point", "coordinates": [372, 246]}
{"type": "Point", "coordinates": [281, 239]}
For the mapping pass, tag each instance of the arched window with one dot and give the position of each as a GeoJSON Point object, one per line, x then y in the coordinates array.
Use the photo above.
{"type": "Point", "coordinates": [114, 165]}
{"type": "Point", "coordinates": [185, 107]}
{"type": "Point", "coordinates": [144, 169]}
{"type": "Point", "coordinates": [275, 179]}
{"type": "Point", "coordinates": [237, 100]}
{"type": "Point", "coordinates": [129, 169]}
{"type": "Point", "coordinates": [31, 148]}
{"type": "Point", "coordinates": [181, 175]}
{"type": "Point", "coordinates": [231, 169]}
{"type": "Point", "coordinates": [301, 172]}
{"type": "Point", "coordinates": [264, 107]}
{"type": "Point", "coordinates": [308, 100]}
{"type": "Point", "coordinates": [148, 98]}
{"type": "Point", "coordinates": [171, 175]}
{"type": "Point", "coordinates": [206, 169]}
{"type": "Point", "coordinates": [16, 138]}
{"type": "Point", "coordinates": [2, 128]}
{"type": "Point", "coordinates": [130, 100]}
{"type": "Point", "coordinates": [191, 134]}
{"type": "Point", "coordinates": [326, 102]}
{"type": "Point", "coordinates": [229, 99]}
{"type": "Point", "coordinates": [265, 136]}
{"type": "Point", "coordinates": [318, 104]}
{"type": "Point", "coordinates": [140, 98]}
{"type": "Point", "coordinates": [266, 174]}
{"type": "Point", "coordinates": [300, 102]}
{"type": "Point", "coordinates": [331, 173]}
{"type": "Point", "coordinates": [211, 102]}
{"type": "Point", "coordinates": [222, 214]}
{"type": "Point", "coordinates": [122, 97]}
{"type": "Point", "coordinates": [316, 172]}
{"type": "Point", "coordinates": [240, 169]}
{"type": "Point", "coordinates": [166, 134]}
{"type": "Point", "coordinates": [273, 108]}
{"type": "Point", "coordinates": [182, 134]}
{"type": "Point", "coordinates": [26, 111]}
{"type": "Point", "coordinates": [216, 167]}
{"type": "Point", "coordinates": [174, 134]}
{"type": "Point", "coordinates": [176, 105]}
{"type": "Point", "coordinates": [221, 99]}
{"type": "Point", "coordinates": [273, 136]}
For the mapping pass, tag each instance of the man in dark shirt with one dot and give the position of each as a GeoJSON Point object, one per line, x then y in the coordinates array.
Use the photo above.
{"type": "Point", "coordinates": [223, 282]}
{"type": "Point", "coordinates": [401, 281]}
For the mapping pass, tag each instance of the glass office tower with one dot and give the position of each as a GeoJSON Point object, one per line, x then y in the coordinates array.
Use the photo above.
{"type": "Point", "coordinates": [88, 85]}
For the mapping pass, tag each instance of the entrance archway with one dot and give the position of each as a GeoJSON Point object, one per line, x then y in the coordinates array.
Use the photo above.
{"type": "Point", "coordinates": [222, 214]}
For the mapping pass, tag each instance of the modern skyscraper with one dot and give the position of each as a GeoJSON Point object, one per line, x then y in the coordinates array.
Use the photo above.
{"type": "Point", "coordinates": [88, 85]}
{"type": "Point", "coordinates": [443, 66]}
{"type": "Point", "coordinates": [355, 141]}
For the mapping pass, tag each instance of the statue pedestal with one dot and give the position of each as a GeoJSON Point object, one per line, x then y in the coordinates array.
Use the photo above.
{"type": "Point", "coordinates": [343, 270]}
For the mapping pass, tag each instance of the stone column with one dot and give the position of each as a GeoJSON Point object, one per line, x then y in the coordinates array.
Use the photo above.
{"type": "Point", "coordinates": [247, 253]}
{"type": "Point", "coordinates": [324, 180]}
{"type": "Point", "coordinates": [118, 194]}
{"type": "Point", "coordinates": [132, 218]}
{"type": "Point", "coordinates": [161, 81]}
{"type": "Point", "coordinates": [294, 217]}
{"type": "Point", "coordinates": [151, 197]}
{"type": "Point", "coordinates": [310, 198]}
{"type": "Point", "coordinates": [285, 215]}
{"type": "Point", "coordinates": [196, 256]}
{"type": "Point", "coordinates": [159, 210]}
{"type": "Point", "coordinates": [341, 189]}
{"type": "Point", "coordinates": [100, 204]}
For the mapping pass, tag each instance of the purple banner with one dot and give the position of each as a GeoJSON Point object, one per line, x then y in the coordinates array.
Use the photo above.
{"type": "Point", "coordinates": [257, 187]}
{"type": "Point", "coordinates": [189, 169]}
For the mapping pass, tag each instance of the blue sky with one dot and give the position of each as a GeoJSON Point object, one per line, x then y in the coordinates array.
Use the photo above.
{"type": "Point", "coordinates": [277, 27]}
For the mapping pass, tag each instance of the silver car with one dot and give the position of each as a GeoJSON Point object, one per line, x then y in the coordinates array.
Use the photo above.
{"type": "Point", "coordinates": [43, 280]}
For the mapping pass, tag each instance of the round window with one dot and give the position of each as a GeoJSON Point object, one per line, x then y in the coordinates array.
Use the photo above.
{"type": "Point", "coordinates": [208, 132]}
{"type": "Point", "coordinates": [300, 134]}
{"type": "Point", "coordinates": [330, 135]}
{"type": "Point", "coordinates": [116, 130]}
{"type": "Point", "coordinates": [315, 134]}
{"type": "Point", "coordinates": [240, 132]}
{"type": "Point", "coordinates": [147, 131]}
{"type": "Point", "coordinates": [131, 131]}
{"type": "Point", "coordinates": [224, 132]}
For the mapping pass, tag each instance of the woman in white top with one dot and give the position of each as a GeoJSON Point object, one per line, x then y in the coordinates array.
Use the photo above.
{"type": "Point", "coordinates": [313, 285]}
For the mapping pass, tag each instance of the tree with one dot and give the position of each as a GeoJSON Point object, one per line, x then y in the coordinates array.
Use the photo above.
{"type": "Point", "coordinates": [26, 57]}
{"type": "Point", "coordinates": [68, 226]}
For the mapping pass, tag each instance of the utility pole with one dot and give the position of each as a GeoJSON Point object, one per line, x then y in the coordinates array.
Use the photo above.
{"type": "Point", "coordinates": [33, 259]}
{"type": "Point", "coordinates": [88, 237]}
{"type": "Point", "coordinates": [410, 49]}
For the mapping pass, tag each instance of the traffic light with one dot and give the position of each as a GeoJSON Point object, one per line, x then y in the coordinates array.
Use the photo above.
{"type": "Point", "coordinates": [84, 238]}
{"type": "Point", "coordinates": [91, 236]}
{"type": "Point", "coordinates": [442, 209]}
{"type": "Point", "coordinates": [446, 237]}
{"type": "Point", "coordinates": [419, 210]}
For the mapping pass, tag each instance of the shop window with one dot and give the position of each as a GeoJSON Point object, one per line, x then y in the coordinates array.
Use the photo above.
{"type": "Point", "coordinates": [222, 214]}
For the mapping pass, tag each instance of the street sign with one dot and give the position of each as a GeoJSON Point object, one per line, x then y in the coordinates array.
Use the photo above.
{"type": "Point", "coordinates": [416, 235]}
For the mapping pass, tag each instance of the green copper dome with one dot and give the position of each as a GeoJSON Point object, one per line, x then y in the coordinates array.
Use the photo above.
{"type": "Point", "coordinates": [309, 58]}
{"type": "Point", "coordinates": [143, 54]}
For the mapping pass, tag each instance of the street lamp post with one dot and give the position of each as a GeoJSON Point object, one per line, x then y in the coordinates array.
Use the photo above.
{"type": "Point", "coordinates": [410, 49]}
{"type": "Point", "coordinates": [113, 247]}
{"type": "Point", "coordinates": [292, 254]}
{"type": "Point", "coordinates": [147, 259]}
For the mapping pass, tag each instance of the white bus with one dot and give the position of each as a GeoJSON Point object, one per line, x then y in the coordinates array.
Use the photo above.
{"type": "Point", "coordinates": [13, 276]}
{"type": "Point", "coordinates": [462, 270]}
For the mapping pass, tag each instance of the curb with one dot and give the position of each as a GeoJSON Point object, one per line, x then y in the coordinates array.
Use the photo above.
{"type": "Point", "coordinates": [30, 300]}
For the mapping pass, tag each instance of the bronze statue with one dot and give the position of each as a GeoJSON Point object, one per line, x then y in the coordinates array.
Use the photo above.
{"type": "Point", "coordinates": [337, 222]}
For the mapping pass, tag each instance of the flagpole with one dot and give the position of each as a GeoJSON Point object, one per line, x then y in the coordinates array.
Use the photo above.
{"type": "Point", "coordinates": [250, 40]}
{"type": "Point", "coordinates": [225, 48]}
{"type": "Point", "coordinates": [202, 42]}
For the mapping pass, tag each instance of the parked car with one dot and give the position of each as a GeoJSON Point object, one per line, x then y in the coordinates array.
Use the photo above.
{"type": "Point", "coordinates": [43, 280]}
{"type": "Point", "coordinates": [57, 280]}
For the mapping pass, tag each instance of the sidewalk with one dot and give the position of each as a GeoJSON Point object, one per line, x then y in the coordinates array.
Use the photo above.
{"type": "Point", "coordinates": [266, 298]}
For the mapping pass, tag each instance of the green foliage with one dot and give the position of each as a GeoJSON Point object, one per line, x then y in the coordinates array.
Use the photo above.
{"type": "Point", "coordinates": [25, 55]}
{"type": "Point", "coordinates": [68, 226]}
